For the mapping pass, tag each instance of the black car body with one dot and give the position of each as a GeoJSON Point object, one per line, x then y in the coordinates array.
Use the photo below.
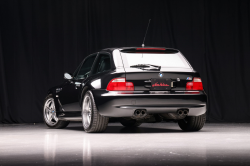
{"type": "Point", "coordinates": [135, 84]}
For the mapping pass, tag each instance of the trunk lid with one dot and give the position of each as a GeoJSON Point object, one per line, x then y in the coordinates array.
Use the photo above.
{"type": "Point", "coordinates": [142, 79]}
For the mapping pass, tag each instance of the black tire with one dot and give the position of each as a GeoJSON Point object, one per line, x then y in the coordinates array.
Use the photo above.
{"type": "Point", "coordinates": [192, 123]}
{"type": "Point", "coordinates": [59, 124]}
{"type": "Point", "coordinates": [98, 123]}
{"type": "Point", "coordinates": [130, 122]}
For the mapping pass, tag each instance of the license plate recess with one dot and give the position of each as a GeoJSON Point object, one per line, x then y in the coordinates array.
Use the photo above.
{"type": "Point", "coordinates": [161, 84]}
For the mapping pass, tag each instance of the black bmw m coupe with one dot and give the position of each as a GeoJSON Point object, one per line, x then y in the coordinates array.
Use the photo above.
{"type": "Point", "coordinates": [135, 85]}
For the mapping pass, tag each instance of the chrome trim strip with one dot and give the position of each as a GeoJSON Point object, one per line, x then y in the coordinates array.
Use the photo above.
{"type": "Point", "coordinates": [141, 93]}
{"type": "Point", "coordinates": [144, 94]}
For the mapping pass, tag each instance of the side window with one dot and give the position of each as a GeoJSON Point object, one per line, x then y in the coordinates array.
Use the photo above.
{"type": "Point", "coordinates": [77, 70]}
{"type": "Point", "coordinates": [86, 67]}
{"type": "Point", "coordinates": [102, 64]}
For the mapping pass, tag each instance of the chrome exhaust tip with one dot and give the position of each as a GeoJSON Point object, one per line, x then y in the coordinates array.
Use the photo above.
{"type": "Point", "coordinates": [137, 112]}
{"type": "Point", "coordinates": [143, 112]}
{"type": "Point", "coordinates": [140, 113]}
{"type": "Point", "coordinates": [180, 112]}
{"type": "Point", "coordinates": [185, 112]}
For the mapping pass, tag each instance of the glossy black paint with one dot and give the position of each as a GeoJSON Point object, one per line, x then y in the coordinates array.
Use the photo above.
{"type": "Point", "coordinates": [69, 95]}
{"type": "Point", "coordinates": [123, 104]}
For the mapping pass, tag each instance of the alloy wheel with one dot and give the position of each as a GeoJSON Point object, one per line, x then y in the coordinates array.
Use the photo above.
{"type": "Point", "coordinates": [86, 112]}
{"type": "Point", "coordinates": [50, 112]}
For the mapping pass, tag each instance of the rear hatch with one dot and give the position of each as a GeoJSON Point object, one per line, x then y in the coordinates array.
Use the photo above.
{"type": "Point", "coordinates": [156, 69]}
{"type": "Point", "coordinates": [145, 81]}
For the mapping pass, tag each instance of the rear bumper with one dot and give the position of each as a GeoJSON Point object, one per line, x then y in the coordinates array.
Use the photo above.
{"type": "Point", "coordinates": [123, 104]}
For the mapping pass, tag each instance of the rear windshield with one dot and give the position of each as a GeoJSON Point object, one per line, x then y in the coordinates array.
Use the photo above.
{"type": "Point", "coordinates": [163, 60]}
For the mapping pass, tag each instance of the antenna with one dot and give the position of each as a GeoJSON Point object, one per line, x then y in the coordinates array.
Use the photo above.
{"type": "Point", "coordinates": [145, 34]}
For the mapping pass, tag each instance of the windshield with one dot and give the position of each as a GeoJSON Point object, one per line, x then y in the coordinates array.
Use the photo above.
{"type": "Point", "coordinates": [163, 60]}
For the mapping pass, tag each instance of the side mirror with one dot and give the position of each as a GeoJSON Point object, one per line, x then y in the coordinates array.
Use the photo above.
{"type": "Point", "coordinates": [67, 76]}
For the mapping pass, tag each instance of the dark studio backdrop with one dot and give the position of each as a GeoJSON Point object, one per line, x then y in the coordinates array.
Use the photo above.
{"type": "Point", "coordinates": [40, 40]}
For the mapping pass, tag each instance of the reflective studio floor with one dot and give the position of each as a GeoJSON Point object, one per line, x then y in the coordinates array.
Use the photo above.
{"type": "Point", "coordinates": [150, 144]}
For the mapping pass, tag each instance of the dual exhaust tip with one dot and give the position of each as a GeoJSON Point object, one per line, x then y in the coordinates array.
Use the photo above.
{"type": "Point", "coordinates": [140, 113]}
{"type": "Point", "coordinates": [182, 112]}
{"type": "Point", "coordinates": [143, 112]}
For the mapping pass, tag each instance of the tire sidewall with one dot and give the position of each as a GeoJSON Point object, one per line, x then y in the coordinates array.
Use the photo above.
{"type": "Point", "coordinates": [193, 123]}
{"type": "Point", "coordinates": [88, 94]}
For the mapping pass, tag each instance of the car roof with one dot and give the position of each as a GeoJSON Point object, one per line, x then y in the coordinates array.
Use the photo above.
{"type": "Point", "coordinates": [134, 48]}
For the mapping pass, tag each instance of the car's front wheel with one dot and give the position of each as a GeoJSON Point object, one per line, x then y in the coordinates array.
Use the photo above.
{"type": "Point", "coordinates": [192, 123]}
{"type": "Point", "coordinates": [49, 114]}
{"type": "Point", "coordinates": [91, 119]}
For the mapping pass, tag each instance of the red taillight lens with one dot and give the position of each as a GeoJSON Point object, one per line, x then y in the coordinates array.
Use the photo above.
{"type": "Point", "coordinates": [196, 84]}
{"type": "Point", "coordinates": [120, 84]}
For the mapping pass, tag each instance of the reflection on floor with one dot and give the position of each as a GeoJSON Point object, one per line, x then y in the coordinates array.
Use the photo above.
{"type": "Point", "coordinates": [149, 144]}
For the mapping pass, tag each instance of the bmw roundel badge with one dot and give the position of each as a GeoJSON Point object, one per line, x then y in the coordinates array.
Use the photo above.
{"type": "Point", "coordinates": [160, 74]}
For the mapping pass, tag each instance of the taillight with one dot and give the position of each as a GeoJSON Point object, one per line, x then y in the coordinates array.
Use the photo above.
{"type": "Point", "coordinates": [120, 84]}
{"type": "Point", "coordinates": [196, 84]}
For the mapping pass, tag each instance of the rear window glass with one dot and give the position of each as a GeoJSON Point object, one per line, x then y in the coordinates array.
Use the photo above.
{"type": "Point", "coordinates": [163, 60]}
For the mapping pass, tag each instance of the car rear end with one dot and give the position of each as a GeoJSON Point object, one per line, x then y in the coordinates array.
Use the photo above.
{"type": "Point", "coordinates": [152, 81]}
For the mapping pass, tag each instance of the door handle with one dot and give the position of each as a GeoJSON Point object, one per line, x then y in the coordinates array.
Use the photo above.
{"type": "Point", "coordinates": [77, 84]}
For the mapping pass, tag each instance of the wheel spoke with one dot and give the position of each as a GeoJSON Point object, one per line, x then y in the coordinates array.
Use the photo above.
{"type": "Point", "coordinates": [88, 120]}
{"type": "Point", "coordinates": [50, 117]}
{"type": "Point", "coordinates": [51, 106]}
{"type": "Point", "coordinates": [54, 117]}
